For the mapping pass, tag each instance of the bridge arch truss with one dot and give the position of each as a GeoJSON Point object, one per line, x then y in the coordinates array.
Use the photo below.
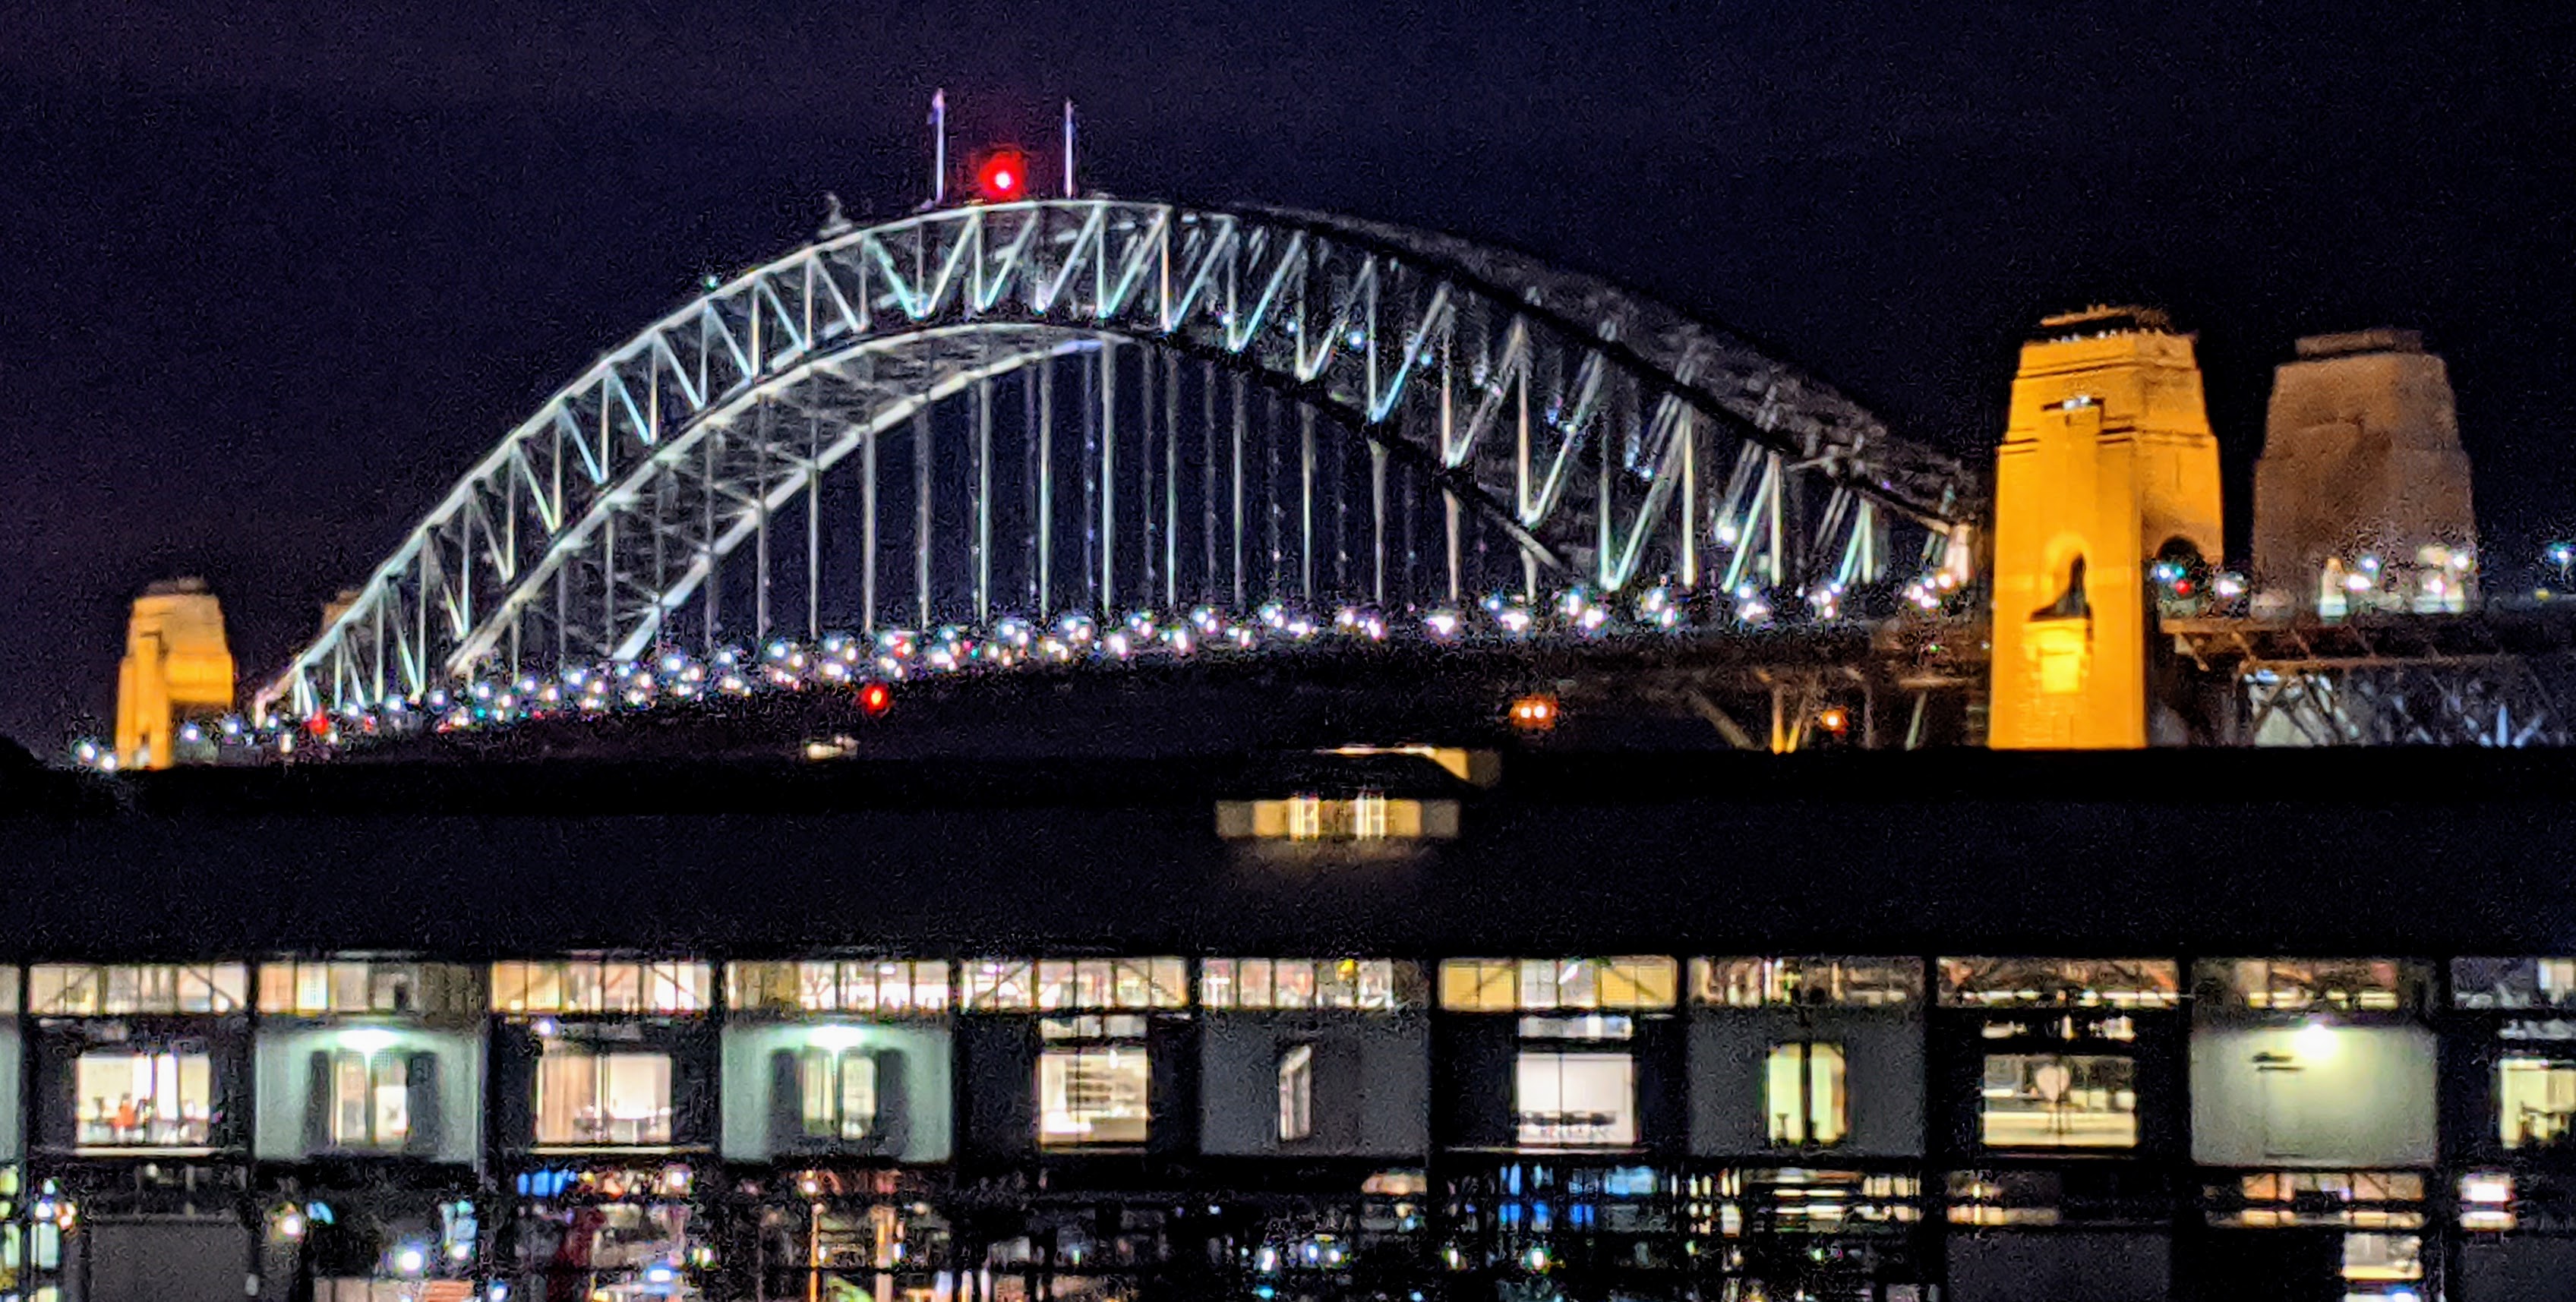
{"type": "Point", "coordinates": [1099, 405]}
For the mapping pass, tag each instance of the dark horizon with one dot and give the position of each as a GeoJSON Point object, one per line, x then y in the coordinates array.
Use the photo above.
{"type": "Point", "coordinates": [279, 280]}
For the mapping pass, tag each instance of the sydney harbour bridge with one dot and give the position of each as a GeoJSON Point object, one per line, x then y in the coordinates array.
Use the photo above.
{"type": "Point", "coordinates": [1004, 416]}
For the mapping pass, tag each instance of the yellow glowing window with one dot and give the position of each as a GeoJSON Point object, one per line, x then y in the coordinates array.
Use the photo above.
{"type": "Point", "coordinates": [1839, 982]}
{"type": "Point", "coordinates": [880, 987]}
{"type": "Point", "coordinates": [1376, 985]}
{"type": "Point", "coordinates": [80, 990]}
{"type": "Point", "coordinates": [1804, 1093]}
{"type": "Point", "coordinates": [590, 985]}
{"type": "Point", "coordinates": [2059, 1101]}
{"type": "Point", "coordinates": [1049, 985]}
{"type": "Point", "coordinates": [2535, 1101]}
{"type": "Point", "coordinates": [1546, 984]}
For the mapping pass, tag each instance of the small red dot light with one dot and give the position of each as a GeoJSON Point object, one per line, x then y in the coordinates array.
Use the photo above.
{"type": "Point", "coordinates": [1003, 177]}
{"type": "Point", "coordinates": [875, 699]}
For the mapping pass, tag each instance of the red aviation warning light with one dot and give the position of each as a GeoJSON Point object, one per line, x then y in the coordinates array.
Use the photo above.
{"type": "Point", "coordinates": [875, 699]}
{"type": "Point", "coordinates": [1003, 176]}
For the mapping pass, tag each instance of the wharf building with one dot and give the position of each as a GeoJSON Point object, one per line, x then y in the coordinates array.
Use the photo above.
{"type": "Point", "coordinates": [950, 1031]}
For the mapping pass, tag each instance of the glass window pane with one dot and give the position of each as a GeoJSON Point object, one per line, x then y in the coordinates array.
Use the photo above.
{"type": "Point", "coordinates": [1296, 1092]}
{"type": "Point", "coordinates": [1171, 983]}
{"type": "Point", "coordinates": [1257, 982]}
{"type": "Point", "coordinates": [1293, 983]}
{"type": "Point", "coordinates": [2536, 1101]}
{"type": "Point", "coordinates": [1575, 1100]}
{"type": "Point", "coordinates": [1216, 983]}
{"type": "Point", "coordinates": [858, 1095]}
{"type": "Point", "coordinates": [1092, 985]}
{"type": "Point", "coordinates": [1093, 1096]}
{"type": "Point", "coordinates": [818, 989]}
{"type": "Point", "coordinates": [2060, 1101]}
{"type": "Point", "coordinates": [1784, 1094]}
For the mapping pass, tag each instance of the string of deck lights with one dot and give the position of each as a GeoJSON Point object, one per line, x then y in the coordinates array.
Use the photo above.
{"type": "Point", "coordinates": [869, 664]}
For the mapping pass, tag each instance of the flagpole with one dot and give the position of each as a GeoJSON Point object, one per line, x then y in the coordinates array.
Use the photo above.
{"type": "Point", "coordinates": [939, 147]}
{"type": "Point", "coordinates": [1068, 149]}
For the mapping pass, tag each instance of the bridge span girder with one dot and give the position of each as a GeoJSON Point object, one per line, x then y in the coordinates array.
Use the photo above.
{"type": "Point", "coordinates": [1552, 423]}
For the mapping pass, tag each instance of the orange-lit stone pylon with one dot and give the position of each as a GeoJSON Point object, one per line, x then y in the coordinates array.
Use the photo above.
{"type": "Point", "coordinates": [177, 667]}
{"type": "Point", "coordinates": [2107, 460]}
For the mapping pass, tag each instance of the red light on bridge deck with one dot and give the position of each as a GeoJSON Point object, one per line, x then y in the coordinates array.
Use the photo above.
{"type": "Point", "coordinates": [1534, 713]}
{"type": "Point", "coordinates": [875, 699]}
{"type": "Point", "coordinates": [1003, 176]}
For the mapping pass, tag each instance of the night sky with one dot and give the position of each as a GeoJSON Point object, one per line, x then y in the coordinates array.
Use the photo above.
{"type": "Point", "coordinates": [272, 282]}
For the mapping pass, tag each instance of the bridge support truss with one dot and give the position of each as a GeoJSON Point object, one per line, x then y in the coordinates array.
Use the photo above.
{"type": "Point", "coordinates": [1102, 406]}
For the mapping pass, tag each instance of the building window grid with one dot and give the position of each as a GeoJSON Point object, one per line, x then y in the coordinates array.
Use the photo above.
{"type": "Point", "coordinates": [117, 990]}
{"type": "Point", "coordinates": [1540, 984]}
{"type": "Point", "coordinates": [591, 985]}
{"type": "Point", "coordinates": [874, 987]}
{"type": "Point", "coordinates": [2513, 983]}
{"type": "Point", "coordinates": [1846, 982]}
{"type": "Point", "coordinates": [2295, 985]}
{"type": "Point", "coordinates": [2072, 983]}
{"type": "Point", "coordinates": [1054, 985]}
{"type": "Point", "coordinates": [1372, 985]}
{"type": "Point", "coordinates": [316, 988]}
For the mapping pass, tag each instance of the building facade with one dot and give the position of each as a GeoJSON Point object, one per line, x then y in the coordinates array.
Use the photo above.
{"type": "Point", "coordinates": [628, 1126]}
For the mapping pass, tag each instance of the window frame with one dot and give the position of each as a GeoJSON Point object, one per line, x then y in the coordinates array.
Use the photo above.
{"type": "Point", "coordinates": [2032, 1058]}
{"type": "Point", "coordinates": [1123, 1055]}
{"type": "Point", "coordinates": [370, 1067]}
{"type": "Point", "coordinates": [1836, 1063]}
{"type": "Point", "coordinates": [193, 1135]}
{"type": "Point", "coordinates": [1564, 1054]}
{"type": "Point", "coordinates": [1296, 1092]}
{"type": "Point", "coordinates": [602, 1064]}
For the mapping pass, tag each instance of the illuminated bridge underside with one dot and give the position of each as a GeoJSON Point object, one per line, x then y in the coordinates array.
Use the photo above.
{"type": "Point", "coordinates": [1097, 405]}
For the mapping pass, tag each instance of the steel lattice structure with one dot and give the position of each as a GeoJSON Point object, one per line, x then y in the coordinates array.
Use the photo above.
{"type": "Point", "coordinates": [1239, 379]}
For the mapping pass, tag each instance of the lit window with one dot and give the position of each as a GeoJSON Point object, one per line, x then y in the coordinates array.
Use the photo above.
{"type": "Point", "coordinates": [1019, 985]}
{"type": "Point", "coordinates": [1837, 982]}
{"type": "Point", "coordinates": [2060, 1101]}
{"type": "Point", "coordinates": [309, 989]}
{"type": "Point", "coordinates": [2060, 982]}
{"type": "Point", "coordinates": [1305, 818]}
{"type": "Point", "coordinates": [1541, 985]}
{"type": "Point", "coordinates": [77, 990]}
{"type": "Point", "coordinates": [1368, 816]}
{"type": "Point", "coordinates": [130, 1099]}
{"type": "Point", "coordinates": [2513, 982]}
{"type": "Point", "coordinates": [2382, 1258]}
{"type": "Point", "coordinates": [878, 987]}
{"type": "Point", "coordinates": [2536, 1101]}
{"type": "Point", "coordinates": [370, 1100]}
{"type": "Point", "coordinates": [1296, 1093]}
{"type": "Point", "coordinates": [1093, 1095]}
{"type": "Point", "coordinates": [1575, 1100]}
{"type": "Point", "coordinates": [2288, 985]}
{"type": "Point", "coordinates": [1805, 1095]}
{"type": "Point", "coordinates": [589, 1098]}
{"type": "Point", "coordinates": [839, 1090]}
{"type": "Point", "coordinates": [590, 985]}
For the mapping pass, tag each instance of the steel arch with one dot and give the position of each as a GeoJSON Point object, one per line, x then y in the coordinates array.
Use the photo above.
{"type": "Point", "coordinates": [1607, 431]}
